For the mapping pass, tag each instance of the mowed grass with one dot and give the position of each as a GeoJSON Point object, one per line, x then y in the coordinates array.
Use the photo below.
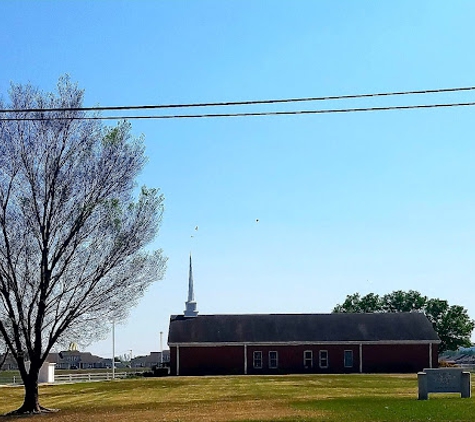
{"type": "Point", "coordinates": [351, 398]}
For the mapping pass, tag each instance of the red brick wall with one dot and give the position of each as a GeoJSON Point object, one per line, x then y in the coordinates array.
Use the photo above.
{"type": "Point", "coordinates": [397, 358]}
{"type": "Point", "coordinates": [291, 359]}
{"type": "Point", "coordinates": [172, 360]}
{"type": "Point", "coordinates": [435, 356]}
{"type": "Point", "coordinates": [220, 360]}
{"type": "Point", "coordinates": [230, 359]}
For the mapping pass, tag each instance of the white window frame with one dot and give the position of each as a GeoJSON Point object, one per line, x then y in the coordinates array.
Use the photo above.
{"type": "Point", "coordinates": [271, 366]}
{"type": "Point", "coordinates": [255, 359]}
{"type": "Point", "coordinates": [344, 358]}
{"type": "Point", "coordinates": [323, 359]}
{"type": "Point", "coordinates": [308, 361]}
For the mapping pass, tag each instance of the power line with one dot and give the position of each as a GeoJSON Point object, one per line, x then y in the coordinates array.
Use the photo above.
{"type": "Point", "coordinates": [247, 114]}
{"type": "Point", "coordinates": [241, 103]}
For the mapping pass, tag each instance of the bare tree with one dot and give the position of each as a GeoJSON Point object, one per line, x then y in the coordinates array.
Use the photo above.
{"type": "Point", "coordinates": [3, 358]}
{"type": "Point", "coordinates": [73, 226]}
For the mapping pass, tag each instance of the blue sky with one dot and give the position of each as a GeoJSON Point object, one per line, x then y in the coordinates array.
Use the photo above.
{"type": "Point", "coordinates": [367, 202]}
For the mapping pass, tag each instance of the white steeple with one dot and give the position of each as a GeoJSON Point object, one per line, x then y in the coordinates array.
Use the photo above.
{"type": "Point", "coordinates": [190, 310]}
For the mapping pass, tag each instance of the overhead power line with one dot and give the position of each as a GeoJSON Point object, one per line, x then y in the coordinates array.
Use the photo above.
{"type": "Point", "coordinates": [247, 114]}
{"type": "Point", "coordinates": [242, 103]}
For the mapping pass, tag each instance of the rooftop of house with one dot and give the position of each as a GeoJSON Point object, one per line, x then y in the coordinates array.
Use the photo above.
{"type": "Point", "coordinates": [84, 357]}
{"type": "Point", "coordinates": [275, 328]}
{"type": "Point", "coordinates": [153, 357]}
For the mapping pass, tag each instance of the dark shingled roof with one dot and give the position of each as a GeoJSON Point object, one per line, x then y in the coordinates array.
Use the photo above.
{"type": "Point", "coordinates": [277, 328]}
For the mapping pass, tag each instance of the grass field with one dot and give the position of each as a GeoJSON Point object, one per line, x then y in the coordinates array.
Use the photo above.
{"type": "Point", "coordinates": [351, 398]}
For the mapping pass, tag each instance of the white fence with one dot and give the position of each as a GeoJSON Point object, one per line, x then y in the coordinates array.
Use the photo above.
{"type": "Point", "coordinates": [68, 378]}
{"type": "Point", "coordinates": [13, 380]}
{"type": "Point", "coordinates": [94, 376]}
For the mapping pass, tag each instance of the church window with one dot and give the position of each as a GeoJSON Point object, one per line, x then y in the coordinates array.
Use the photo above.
{"type": "Point", "coordinates": [257, 359]}
{"type": "Point", "coordinates": [308, 359]}
{"type": "Point", "coordinates": [273, 360]}
{"type": "Point", "coordinates": [323, 355]}
{"type": "Point", "coordinates": [348, 359]}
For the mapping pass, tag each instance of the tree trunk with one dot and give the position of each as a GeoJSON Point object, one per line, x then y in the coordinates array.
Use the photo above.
{"type": "Point", "coordinates": [31, 402]}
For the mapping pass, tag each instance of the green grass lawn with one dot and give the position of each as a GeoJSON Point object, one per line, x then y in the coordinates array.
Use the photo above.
{"type": "Point", "coordinates": [351, 398]}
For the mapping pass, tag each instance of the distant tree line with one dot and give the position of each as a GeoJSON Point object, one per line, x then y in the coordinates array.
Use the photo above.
{"type": "Point", "coordinates": [451, 322]}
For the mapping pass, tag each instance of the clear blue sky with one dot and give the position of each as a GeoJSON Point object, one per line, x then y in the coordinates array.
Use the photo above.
{"type": "Point", "coordinates": [367, 202]}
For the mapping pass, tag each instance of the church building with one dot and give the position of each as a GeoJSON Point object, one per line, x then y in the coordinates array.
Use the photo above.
{"type": "Point", "coordinates": [298, 343]}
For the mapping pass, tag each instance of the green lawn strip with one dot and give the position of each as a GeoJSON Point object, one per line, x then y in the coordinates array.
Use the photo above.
{"type": "Point", "coordinates": [355, 409]}
{"type": "Point", "coordinates": [288, 398]}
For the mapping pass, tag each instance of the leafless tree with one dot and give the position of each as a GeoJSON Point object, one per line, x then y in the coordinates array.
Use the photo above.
{"type": "Point", "coordinates": [3, 358]}
{"type": "Point", "coordinates": [73, 226]}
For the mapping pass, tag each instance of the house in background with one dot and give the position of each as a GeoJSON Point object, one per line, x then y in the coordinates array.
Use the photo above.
{"type": "Point", "coordinates": [68, 359]}
{"type": "Point", "coordinates": [299, 343]}
{"type": "Point", "coordinates": [9, 364]}
{"type": "Point", "coordinates": [153, 359]}
{"type": "Point", "coordinates": [463, 357]}
{"type": "Point", "coordinates": [74, 359]}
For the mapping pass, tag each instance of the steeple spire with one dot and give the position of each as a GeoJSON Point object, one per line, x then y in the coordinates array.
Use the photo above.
{"type": "Point", "coordinates": [190, 310]}
{"type": "Point", "coordinates": [191, 294]}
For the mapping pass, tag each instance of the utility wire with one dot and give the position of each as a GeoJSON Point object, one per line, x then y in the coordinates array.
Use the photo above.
{"type": "Point", "coordinates": [241, 103]}
{"type": "Point", "coordinates": [246, 114]}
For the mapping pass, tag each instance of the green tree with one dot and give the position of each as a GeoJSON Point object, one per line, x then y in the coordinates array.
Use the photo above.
{"type": "Point", "coordinates": [451, 322]}
{"type": "Point", "coordinates": [73, 229]}
{"type": "Point", "coordinates": [400, 301]}
{"type": "Point", "coordinates": [360, 304]}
